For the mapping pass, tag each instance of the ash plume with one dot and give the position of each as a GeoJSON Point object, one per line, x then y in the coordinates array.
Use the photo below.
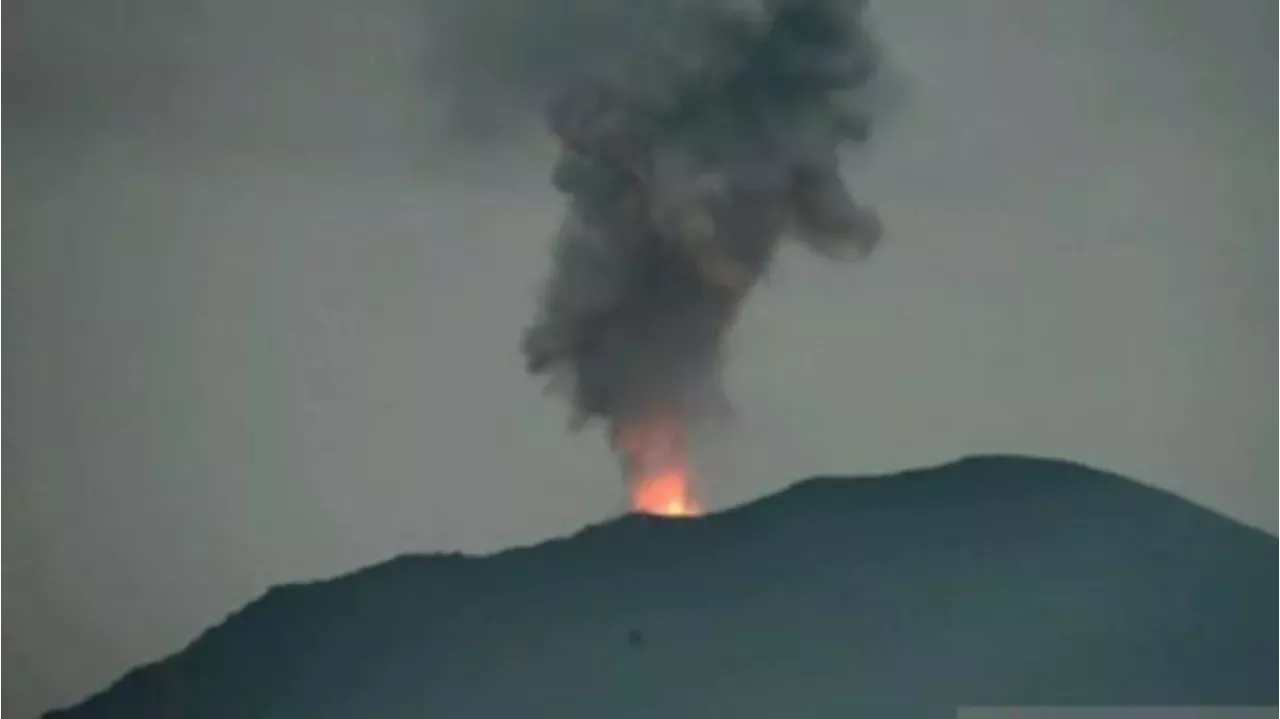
{"type": "Point", "coordinates": [693, 136]}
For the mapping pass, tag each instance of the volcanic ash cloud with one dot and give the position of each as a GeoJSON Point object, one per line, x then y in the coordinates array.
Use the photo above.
{"type": "Point", "coordinates": [693, 136]}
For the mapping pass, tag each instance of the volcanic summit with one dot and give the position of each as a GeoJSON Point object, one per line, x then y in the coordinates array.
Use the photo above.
{"type": "Point", "coordinates": [989, 581]}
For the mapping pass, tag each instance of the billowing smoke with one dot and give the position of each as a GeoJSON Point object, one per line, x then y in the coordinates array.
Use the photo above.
{"type": "Point", "coordinates": [693, 136]}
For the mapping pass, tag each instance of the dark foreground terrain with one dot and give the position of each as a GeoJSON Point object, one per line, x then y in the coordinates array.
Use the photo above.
{"type": "Point", "coordinates": [987, 581]}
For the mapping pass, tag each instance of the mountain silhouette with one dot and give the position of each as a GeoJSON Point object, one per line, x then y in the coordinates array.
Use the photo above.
{"type": "Point", "coordinates": [988, 581]}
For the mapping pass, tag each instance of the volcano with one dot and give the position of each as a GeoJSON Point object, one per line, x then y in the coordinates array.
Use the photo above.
{"type": "Point", "coordinates": [988, 581]}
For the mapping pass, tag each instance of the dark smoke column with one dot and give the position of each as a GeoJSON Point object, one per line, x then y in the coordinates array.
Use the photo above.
{"type": "Point", "coordinates": [683, 168]}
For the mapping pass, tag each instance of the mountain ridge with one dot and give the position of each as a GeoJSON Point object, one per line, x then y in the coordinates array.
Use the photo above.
{"type": "Point", "coordinates": [629, 565]}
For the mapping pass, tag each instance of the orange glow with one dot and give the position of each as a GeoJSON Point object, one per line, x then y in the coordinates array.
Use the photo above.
{"type": "Point", "coordinates": [666, 495]}
{"type": "Point", "coordinates": [658, 465]}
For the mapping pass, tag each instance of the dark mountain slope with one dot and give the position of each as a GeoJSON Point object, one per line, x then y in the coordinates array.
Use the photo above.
{"type": "Point", "coordinates": [986, 581]}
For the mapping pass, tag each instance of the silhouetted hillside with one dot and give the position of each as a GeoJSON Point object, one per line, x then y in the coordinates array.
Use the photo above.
{"type": "Point", "coordinates": [986, 581]}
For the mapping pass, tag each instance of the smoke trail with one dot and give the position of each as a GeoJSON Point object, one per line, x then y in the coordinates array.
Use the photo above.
{"type": "Point", "coordinates": [693, 136]}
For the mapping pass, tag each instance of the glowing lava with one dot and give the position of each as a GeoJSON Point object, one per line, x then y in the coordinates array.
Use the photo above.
{"type": "Point", "coordinates": [666, 494]}
{"type": "Point", "coordinates": [658, 469]}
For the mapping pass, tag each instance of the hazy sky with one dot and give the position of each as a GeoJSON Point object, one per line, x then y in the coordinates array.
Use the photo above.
{"type": "Point", "coordinates": [262, 319]}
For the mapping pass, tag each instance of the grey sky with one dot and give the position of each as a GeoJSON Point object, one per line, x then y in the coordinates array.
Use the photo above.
{"type": "Point", "coordinates": [263, 322]}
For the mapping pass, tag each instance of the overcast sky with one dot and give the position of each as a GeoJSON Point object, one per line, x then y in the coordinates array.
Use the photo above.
{"type": "Point", "coordinates": [262, 315]}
